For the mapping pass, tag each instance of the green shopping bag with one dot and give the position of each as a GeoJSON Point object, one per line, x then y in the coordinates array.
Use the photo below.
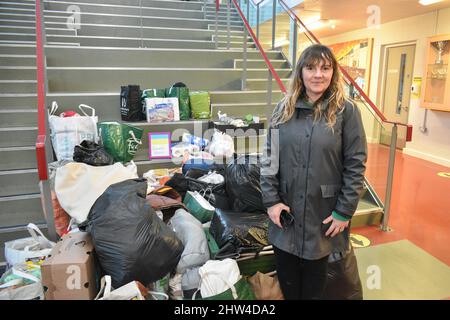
{"type": "Point", "coordinates": [200, 104]}
{"type": "Point", "coordinates": [153, 93]}
{"type": "Point", "coordinates": [198, 206]}
{"type": "Point", "coordinates": [182, 93]}
{"type": "Point", "coordinates": [121, 141]}
{"type": "Point", "coordinates": [212, 244]}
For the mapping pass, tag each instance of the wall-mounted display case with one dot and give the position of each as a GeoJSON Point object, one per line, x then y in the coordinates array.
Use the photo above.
{"type": "Point", "coordinates": [436, 82]}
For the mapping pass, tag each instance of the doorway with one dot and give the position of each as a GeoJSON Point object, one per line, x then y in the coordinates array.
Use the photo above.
{"type": "Point", "coordinates": [398, 76]}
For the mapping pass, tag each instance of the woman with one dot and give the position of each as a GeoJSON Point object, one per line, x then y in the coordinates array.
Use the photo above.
{"type": "Point", "coordinates": [314, 170]}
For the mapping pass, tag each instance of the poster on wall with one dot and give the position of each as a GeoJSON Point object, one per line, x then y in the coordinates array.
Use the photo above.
{"type": "Point", "coordinates": [355, 57]}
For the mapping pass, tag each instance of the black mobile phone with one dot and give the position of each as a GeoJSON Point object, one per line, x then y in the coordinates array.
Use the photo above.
{"type": "Point", "coordinates": [286, 219]}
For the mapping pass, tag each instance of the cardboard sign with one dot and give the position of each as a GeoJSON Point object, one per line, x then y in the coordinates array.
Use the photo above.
{"type": "Point", "coordinates": [159, 145]}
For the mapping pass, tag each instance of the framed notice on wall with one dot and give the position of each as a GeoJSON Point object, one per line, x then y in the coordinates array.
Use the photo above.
{"type": "Point", "coordinates": [356, 58]}
{"type": "Point", "coordinates": [159, 145]}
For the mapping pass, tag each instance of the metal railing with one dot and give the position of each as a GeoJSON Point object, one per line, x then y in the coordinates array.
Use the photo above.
{"type": "Point", "coordinates": [43, 148]}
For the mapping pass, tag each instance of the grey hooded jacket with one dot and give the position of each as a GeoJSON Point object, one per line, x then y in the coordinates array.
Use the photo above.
{"type": "Point", "coordinates": [314, 170]}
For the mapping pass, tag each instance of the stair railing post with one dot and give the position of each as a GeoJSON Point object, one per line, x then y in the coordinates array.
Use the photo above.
{"type": "Point", "coordinates": [42, 88]}
{"type": "Point", "coordinates": [257, 20]}
{"type": "Point", "coordinates": [294, 40]}
{"type": "Point", "coordinates": [274, 21]}
{"type": "Point", "coordinates": [390, 179]}
{"type": "Point", "coordinates": [269, 96]}
{"type": "Point", "coordinates": [142, 25]}
{"type": "Point", "coordinates": [248, 11]}
{"type": "Point", "coordinates": [228, 24]}
{"type": "Point", "coordinates": [216, 28]}
{"type": "Point", "coordinates": [244, 62]}
{"type": "Point", "coordinates": [204, 9]}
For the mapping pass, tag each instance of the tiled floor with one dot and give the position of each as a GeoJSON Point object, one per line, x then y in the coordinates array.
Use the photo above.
{"type": "Point", "coordinates": [420, 207]}
{"type": "Point", "coordinates": [420, 223]}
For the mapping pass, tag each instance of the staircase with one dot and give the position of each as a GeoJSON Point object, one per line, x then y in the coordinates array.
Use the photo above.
{"type": "Point", "coordinates": [176, 43]}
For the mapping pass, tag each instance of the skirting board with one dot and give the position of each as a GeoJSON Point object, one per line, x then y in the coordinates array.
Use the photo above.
{"type": "Point", "coordinates": [427, 156]}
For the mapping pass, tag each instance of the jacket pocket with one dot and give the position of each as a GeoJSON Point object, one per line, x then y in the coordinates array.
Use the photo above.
{"type": "Point", "coordinates": [330, 190]}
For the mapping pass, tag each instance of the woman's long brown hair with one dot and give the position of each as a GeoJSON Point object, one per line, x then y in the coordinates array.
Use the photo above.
{"type": "Point", "coordinates": [335, 94]}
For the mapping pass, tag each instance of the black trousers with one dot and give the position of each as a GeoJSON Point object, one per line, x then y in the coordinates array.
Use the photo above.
{"type": "Point", "coordinates": [300, 278]}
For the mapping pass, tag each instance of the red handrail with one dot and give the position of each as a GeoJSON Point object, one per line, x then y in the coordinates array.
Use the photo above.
{"type": "Point", "coordinates": [41, 158]}
{"type": "Point", "coordinates": [268, 63]}
{"type": "Point", "coordinates": [350, 79]}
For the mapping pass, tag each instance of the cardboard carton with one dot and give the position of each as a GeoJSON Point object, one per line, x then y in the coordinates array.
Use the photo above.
{"type": "Point", "coordinates": [69, 272]}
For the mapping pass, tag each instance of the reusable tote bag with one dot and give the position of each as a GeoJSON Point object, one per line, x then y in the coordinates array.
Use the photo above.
{"type": "Point", "coordinates": [220, 280]}
{"type": "Point", "coordinates": [21, 250]}
{"type": "Point", "coordinates": [121, 141]}
{"type": "Point", "coordinates": [180, 91]}
{"type": "Point", "coordinates": [198, 206]}
{"type": "Point", "coordinates": [67, 132]}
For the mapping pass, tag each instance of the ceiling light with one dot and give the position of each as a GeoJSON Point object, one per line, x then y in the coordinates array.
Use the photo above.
{"type": "Point", "coordinates": [315, 25]}
{"type": "Point", "coordinates": [428, 2]}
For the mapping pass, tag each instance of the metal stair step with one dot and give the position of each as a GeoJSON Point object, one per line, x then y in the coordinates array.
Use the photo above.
{"type": "Point", "coordinates": [17, 60]}
{"type": "Point", "coordinates": [51, 7]}
{"type": "Point", "coordinates": [18, 86]}
{"type": "Point", "coordinates": [261, 84]}
{"type": "Point", "coordinates": [18, 117]}
{"type": "Point", "coordinates": [17, 136]}
{"type": "Point", "coordinates": [110, 79]}
{"type": "Point", "coordinates": [21, 210]}
{"type": "Point", "coordinates": [148, 57]}
{"type": "Point", "coordinates": [10, 49]}
{"type": "Point", "coordinates": [17, 73]}
{"type": "Point", "coordinates": [18, 182]}
{"type": "Point", "coordinates": [17, 158]}
{"type": "Point", "coordinates": [17, 100]}
{"type": "Point", "coordinates": [124, 41]}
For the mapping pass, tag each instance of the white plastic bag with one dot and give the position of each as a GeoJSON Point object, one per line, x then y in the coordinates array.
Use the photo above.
{"type": "Point", "coordinates": [20, 250]}
{"type": "Point", "coordinates": [68, 132]}
{"type": "Point", "coordinates": [17, 289]}
{"type": "Point", "coordinates": [218, 276]}
{"type": "Point", "coordinates": [78, 185]}
{"type": "Point", "coordinates": [130, 291]}
{"type": "Point", "coordinates": [222, 145]}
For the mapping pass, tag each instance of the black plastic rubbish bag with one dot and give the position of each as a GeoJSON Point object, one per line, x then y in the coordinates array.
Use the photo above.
{"type": "Point", "coordinates": [243, 186]}
{"type": "Point", "coordinates": [343, 278]}
{"type": "Point", "coordinates": [91, 153]}
{"type": "Point", "coordinates": [215, 194]}
{"type": "Point", "coordinates": [236, 232]}
{"type": "Point", "coordinates": [131, 241]}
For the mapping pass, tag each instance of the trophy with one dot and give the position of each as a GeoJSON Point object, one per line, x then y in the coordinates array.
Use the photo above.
{"type": "Point", "coordinates": [440, 70]}
{"type": "Point", "coordinates": [440, 46]}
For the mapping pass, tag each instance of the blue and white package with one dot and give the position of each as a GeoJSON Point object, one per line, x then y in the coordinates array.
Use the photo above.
{"type": "Point", "coordinates": [202, 143]}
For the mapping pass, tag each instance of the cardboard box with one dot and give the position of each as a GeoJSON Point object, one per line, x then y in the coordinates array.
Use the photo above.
{"type": "Point", "coordinates": [69, 273]}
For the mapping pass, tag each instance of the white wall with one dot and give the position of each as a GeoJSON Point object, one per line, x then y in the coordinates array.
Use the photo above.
{"type": "Point", "coordinates": [435, 144]}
